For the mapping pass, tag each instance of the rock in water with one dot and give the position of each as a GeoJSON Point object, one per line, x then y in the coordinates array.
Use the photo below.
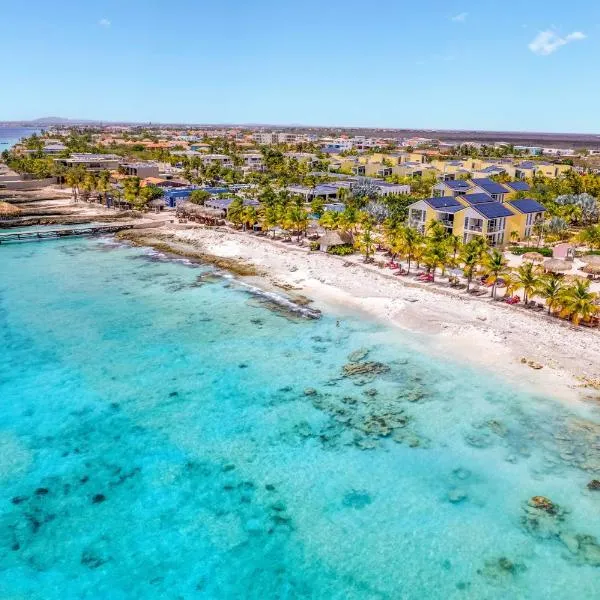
{"type": "Point", "coordinates": [357, 499]}
{"type": "Point", "coordinates": [364, 368]}
{"type": "Point", "coordinates": [542, 517]}
{"type": "Point", "coordinates": [358, 355]}
{"type": "Point", "coordinates": [456, 495]}
{"type": "Point", "coordinates": [594, 485]}
{"type": "Point", "coordinates": [543, 503]}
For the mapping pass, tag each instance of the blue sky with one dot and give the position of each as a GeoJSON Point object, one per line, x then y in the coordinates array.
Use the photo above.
{"type": "Point", "coordinates": [449, 64]}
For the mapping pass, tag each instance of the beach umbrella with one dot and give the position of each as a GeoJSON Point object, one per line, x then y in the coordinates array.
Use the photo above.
{"type": "Point", "coordinates": [593, 269]}
{"type": "Point", "coordinates": [573, 278]}
{"type": "Point", "coordinates": [533, 256]}
{"type": "Point", "coordinates": [556, 265]}
{"type": "Point", "coordinates": [591, 259]}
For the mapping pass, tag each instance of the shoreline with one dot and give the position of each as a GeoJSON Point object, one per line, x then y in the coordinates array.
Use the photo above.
{"type": "Point", "coordinates": [449, 325]}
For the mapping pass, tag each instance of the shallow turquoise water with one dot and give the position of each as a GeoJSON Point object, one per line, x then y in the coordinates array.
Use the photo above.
{"type": "Point", "coordinates": [167, 434]}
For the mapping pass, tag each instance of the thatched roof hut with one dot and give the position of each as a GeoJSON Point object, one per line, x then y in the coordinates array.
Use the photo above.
{"type": "Point", "coordinates": [9, 210]}
{"type": "Point", "coordinates": [202, 214]}
{"type": "Point", "coordinates": [333, 238]}
{"type": "Point", "coordinates": [533, 256]}
{"type": "Point", "coordinates": [591, 260]}
{"type": "Point", "coordinates": [592, 269]}
{"type": "Point", "coordinates": [556, 265]}
{"type": "Point", "coordinates": [157, 204]}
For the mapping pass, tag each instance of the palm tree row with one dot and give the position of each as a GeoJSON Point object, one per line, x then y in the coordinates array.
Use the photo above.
{"type": "Point", "coordinates": [437, 250]}
{"type": "Point", "coordinates": [282, 210]}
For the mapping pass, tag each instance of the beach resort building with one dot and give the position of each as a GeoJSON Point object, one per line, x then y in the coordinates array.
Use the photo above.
{"type": "Point", "coordinates": [477, 208]}
{"type": "Point", "coordinates": [253, 162]}
{"type": "Point", "coordinates": [220, 159]}
{"type": "Point", "coordinates": [324, 191]}
{"type": "Point", "coordinates": [140, 169]}
{"type": "Point", "coordinates": [91, 162]}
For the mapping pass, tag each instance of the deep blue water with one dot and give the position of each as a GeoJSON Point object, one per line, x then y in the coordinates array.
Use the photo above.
{"type": "Point", "coordinates": [9, 136]}
{"type": "Point", "coordinates": [165, 433]}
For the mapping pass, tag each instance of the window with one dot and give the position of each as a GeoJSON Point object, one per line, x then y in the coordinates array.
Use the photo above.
{"type": "Point", "coordinates": [417, 215]}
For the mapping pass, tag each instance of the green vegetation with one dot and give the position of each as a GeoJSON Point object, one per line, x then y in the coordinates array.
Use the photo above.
{"type": "Point", "coordinates": [341, 250]}
{"type": "Point", "coordinates": [520, 250]}
{"type": "Point", "coordinates": [199, 197]}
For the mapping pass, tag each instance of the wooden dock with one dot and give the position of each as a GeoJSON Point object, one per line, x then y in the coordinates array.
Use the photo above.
{"type": "Point", "coordinates": [40, 234]}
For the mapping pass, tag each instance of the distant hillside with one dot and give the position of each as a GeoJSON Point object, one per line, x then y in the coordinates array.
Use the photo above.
{"type": "Point", "coordinates": [61, 121]}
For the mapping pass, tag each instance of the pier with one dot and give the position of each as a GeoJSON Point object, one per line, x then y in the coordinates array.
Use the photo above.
{"type": "Point", "coordinates": [39, 234]}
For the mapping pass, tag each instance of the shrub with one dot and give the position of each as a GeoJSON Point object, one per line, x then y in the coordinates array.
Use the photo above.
{"type": "Point", "coordinates": [519, 250]}
{"type": "Point", "coordinates": [314, 246]}
{"type": "Point", "coordinates": [341, 250]}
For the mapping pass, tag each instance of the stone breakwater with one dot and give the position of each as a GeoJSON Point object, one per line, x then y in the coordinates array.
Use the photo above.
{"type": "Point", "coordinates": [170, 245]}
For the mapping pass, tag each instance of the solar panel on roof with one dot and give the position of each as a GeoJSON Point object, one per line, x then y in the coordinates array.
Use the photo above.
{"type": "Point", "coordinates": [490, 186]}
{"type": "Point", "coordinates": [518, 186]}
{"type": "Point", "coordinates": [442, 202]}
{"type": "Point", "coordinates": [477, 198]}
{"type": "Point", "coordinates": [493, 210]}
{"type": "Point", "coordinates": [457, 185]}
{"type": "Point", "coordinates": [528, 205]}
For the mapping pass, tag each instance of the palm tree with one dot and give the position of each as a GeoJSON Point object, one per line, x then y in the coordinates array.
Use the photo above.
{"type": "Point", "coordinates": [454, 244]}
{"type": "Point", "coordinates": [74, 178]}
{"type": "Point", "coordinates": [570, 212]}
{"type": "Point", "coordinates": [235, 212]}
{"type": "Point", "coordinates": [591, 236]}
{"type": "Point", "coordinates": [298, 219]}
{"type": "Point", "coordinates": [436, 232]}
{"type": "Point", "coordinates": [435, 255]}
{"type": "Point", "coordinates": [116, 193]}
{"type": "Point", "coordinates": [514, 236]}
{"type": "Point", "coordinates": [470, 257]}
{"type": "Point", "coordinates": [551, 288]}
{"type": "Point", "coordinates": [131, 190]}
{"type": "Point", "coordinates": [539, 228]}
{"type": "Point", "coordinates": [330, 220]}
{"type": "Point", "coordinates": [495, 266]}
{"type": "Point", "coordinates": [367, 242]}
{"type": "Point", "coordinates": [270, 218]}
{"type": "Point", "coordinates": [528, 279]}
{"type": "Point", "coordinates": [88, 185]}
{"type": "Point", "coordinates": [103, 185]}
{"type": "Point", "coordinates": [250, 216]}
{"type": "Point", "coordinates": [578, 302]}
{"type": "Point", "coordinates": [410, 241]}
{"type": "Point", "coordinates": [392, 232]}
{"type": "Point", "coordinates": [349, 219]}
{"type": "Point", "coordinates": [511, 284]}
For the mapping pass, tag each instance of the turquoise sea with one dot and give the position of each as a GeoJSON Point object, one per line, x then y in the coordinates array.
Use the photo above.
{"type": "Point", "coordinates": [167, 432]}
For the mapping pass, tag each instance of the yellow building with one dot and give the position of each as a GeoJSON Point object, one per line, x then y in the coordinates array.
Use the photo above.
{"type": "Point", "coordinates": [477, 215]}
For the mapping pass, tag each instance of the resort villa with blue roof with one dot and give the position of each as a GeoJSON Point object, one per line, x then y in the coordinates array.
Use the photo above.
{"type": "Point", "coordinates": [478, 207]}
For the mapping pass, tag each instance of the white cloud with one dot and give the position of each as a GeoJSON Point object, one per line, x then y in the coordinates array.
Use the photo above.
{"type": "Point", "coordinates": [460, 18]}
{"type": "Point", "coordinates": [547, 42]}
{"type": "Point", "coordinates": [104, 23]}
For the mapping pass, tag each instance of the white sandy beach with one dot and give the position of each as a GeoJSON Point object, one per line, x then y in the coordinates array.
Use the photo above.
{"type": "Point", "coordinates": [455, 325]}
